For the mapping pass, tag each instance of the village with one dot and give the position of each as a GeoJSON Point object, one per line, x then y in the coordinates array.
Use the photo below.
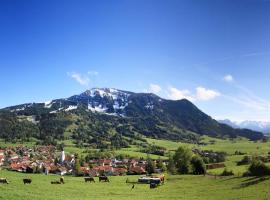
{"type": "Point", "coordinates": [49, 160]}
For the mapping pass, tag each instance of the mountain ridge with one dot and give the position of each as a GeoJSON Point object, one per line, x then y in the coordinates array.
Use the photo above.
{"type": "Point", "coordinates": [261, 126]}
{"type": "Point", "coordinates": [111, 113]}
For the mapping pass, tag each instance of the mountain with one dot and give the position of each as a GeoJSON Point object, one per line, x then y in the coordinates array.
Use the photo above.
{"type": "Point", "coordinates": [252, 125]}
{"type": "Point", "coordinates": [110, 116]}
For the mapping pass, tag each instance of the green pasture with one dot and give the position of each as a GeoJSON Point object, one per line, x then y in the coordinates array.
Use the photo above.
{"type": "Point", "coordinates": [176, 187]}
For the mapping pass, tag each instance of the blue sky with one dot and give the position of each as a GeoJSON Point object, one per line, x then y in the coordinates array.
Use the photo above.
{"type": "Point", "coordinates": [215, 53]}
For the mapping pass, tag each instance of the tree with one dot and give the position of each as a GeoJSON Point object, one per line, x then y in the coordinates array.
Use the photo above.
{"type": "Point", "coordinates": [258, 168]}
{"type": "Point", "coordinates": [171, 166]}
{"type": "Point", "coordinates": [150, 167]}
{"type": "Point", "coordinates": [161, 166]}
{"type": "Point", "coordinates": [182, 158]}
{"type": "Point", "coordinates": [77, 167]}
{"type": "Point", "coordinates": [198, 166]}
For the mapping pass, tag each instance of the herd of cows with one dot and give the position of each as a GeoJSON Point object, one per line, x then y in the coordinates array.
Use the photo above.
{"type": "Point", "coordinates": [61, 181]}
{"type": "Point", "coordinates": [153, 181]}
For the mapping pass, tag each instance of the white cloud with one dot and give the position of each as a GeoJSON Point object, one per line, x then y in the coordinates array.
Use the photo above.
{"type": "Point", "coordinates": [154, 88]}
{"type": "Point", "coordinates": [228, 78]}
{"type": "Point", "coordinates": [176, 94]}
{"type": "Point", "coordinates": [81, 79]}
{"type": "Point", "coordinates": [204, 94]}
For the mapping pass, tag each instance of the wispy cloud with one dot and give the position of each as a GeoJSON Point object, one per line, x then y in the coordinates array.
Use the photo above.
{"type": "Point", "coordinates": [255, 107]}
{"type": "Point", "coordinates": [93, 73]}
{"type": "Point", "coordinates": [260, 53]}
{"type": "Point", "coordinates": [82, 79]}
{"type": "Point", "coordinates": [228, 78]}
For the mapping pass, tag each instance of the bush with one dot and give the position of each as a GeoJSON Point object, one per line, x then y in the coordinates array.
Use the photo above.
{"type": "Point", "coordinates": [198, 166]}
{"type": "Point", "coordinates": [226, 172]}
{"type": "Point", "coordinates": [245, 160]}
{"type": "Point", "coordinates": [258, 168]}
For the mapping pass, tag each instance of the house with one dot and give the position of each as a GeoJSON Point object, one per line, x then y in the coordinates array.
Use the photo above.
{"type": "Point", "coordinates": [136, 170]}
{"type": "Point", "coordinates": [119, 171]}
{"type": "Point", "coordinates": [105, 162]}
{"type": "Point", "coordinates": [104, 170]}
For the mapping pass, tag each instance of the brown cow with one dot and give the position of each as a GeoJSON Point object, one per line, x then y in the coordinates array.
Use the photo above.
{"type": "Point", "coordinates": [104, 178]}
{"type": "Point", "coordinates": [27, 181]}
{"type": "Point", "coordinates": [89, 179]}
{"type": "Point", "coordinates": [4, 180]}
{"type": "Point", "coordinates": [162, 179]}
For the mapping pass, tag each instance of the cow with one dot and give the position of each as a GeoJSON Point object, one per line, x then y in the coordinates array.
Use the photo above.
{"type": "Point", "coordinates": [62, 180]}
{"type": "Point", "coordinates": [153, 185]}
{"type": "Point", "coordinates": [55, 182]}
{"type": "Point", "coordinates": [27, 181]}
{"type": "Point", "coordinates": [104, 178]}
{"type": "Point", "coordinates": [162, 179]}
{"type": "Point", "coordinates": [89, 179]}
{"type": "Point", "coordinates": [4, 180]}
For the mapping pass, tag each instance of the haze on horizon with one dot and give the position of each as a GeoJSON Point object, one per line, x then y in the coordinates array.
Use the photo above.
{"type": "Point", "coordinates": [213, 53]}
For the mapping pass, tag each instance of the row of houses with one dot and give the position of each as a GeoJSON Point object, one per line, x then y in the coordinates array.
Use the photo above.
{"type": "Point", "coordinates": [46, 159]}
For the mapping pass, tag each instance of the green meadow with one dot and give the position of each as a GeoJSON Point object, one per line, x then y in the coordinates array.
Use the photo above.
{"type": "Point", "coordinates": [176, 187]}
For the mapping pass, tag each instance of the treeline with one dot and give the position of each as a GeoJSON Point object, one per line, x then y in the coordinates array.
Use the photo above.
{"type": "Point", "coordinates": [48, 127]}
{"type": "Point", "coordinates": [12, 129]}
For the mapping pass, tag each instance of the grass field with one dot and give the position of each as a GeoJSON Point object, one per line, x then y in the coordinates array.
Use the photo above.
{"type": "Point", "coordinates": [176, 187]}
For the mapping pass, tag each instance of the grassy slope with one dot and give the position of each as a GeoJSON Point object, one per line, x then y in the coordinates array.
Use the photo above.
{"type": "Point", "coordinates": [176, 187]}
{"type": "Point", "coordinates": [229, 146]}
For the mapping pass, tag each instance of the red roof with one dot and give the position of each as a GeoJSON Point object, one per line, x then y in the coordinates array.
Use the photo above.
{"type": "Point", "coordinates": [103, 168]}
{"type": "Point", "coordinates": [137, 169]}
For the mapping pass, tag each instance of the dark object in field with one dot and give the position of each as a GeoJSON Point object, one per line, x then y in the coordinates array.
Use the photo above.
{"type": "Point", "coordinates": [27, 181]}
{"type": "Point", "coordinates": [104, 178]}
{"type": "Point", "coordinates": [55, 182]}
{"type": "Point", "coordinates": [89, 179]}
{"type": "Point", "coordinates": [4, 180]}
{"type": "Point", "coordinates": [62, 180]}
{"type": "Point", "coordinates": [133, 186]}
{"type": "Point", "coordinates": [153, 185]}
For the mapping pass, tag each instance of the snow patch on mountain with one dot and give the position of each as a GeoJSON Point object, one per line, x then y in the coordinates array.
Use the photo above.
{"type": "Point", "coordinates": [71, 108]}
{"type": "Point", "coordinates": [48, 104]}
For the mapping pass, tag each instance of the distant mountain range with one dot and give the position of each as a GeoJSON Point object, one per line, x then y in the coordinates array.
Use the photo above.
{"type": "Point", "coordinates": [102, 115]}
{"type": "Point", "coordinates": [252, 125]}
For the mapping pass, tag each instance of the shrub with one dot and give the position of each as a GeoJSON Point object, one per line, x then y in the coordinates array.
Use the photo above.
{"type": "Point", "coordinates": [198, 166]}
{"type": "Point", "coordinates": [258, 168]}
{"type": "Point", "coordinates": [227, 172]}
{"type": "Point", "coordinates": [245, 160]}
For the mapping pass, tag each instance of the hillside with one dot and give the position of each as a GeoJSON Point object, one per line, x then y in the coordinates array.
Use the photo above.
{"type": "Point", "coordinates": [107, 118]}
